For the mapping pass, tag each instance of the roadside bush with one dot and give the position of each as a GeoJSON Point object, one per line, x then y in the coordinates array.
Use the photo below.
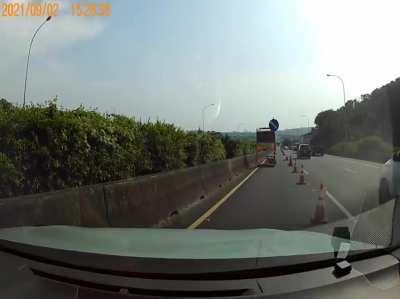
{"type": "Point", "coordinates": [371, 148]}
{"type": "Point", "coordinates": [247, 147]}
{"type": "Point", "coordinates": [211, 149]}
{"type": "Point", "coordinates": [232, 147]}
{"type": "Point", "coordinates": [192, 148]}
{"type": "Point", "coordinates": [44, 147]}
{"type": "Point", "coordinates": [166, 146]}
{"type": "Point", "coordinates": [347, 149]}
{"type": "Point", "coordinates": [10, 178]}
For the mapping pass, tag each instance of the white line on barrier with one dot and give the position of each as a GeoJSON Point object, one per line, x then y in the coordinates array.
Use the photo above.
{"type": "Point", "coordinates": [219, 203]}
{"type": "Point", "coordinates": [370, 165]}
{"type": "Point", "coordinates": [354, 161]}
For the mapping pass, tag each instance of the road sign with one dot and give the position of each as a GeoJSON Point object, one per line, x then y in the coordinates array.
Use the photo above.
{"type": "Point", "coordinates": [273, 124]}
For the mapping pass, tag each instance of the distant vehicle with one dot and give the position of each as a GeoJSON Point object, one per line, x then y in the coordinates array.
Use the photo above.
{"type": "Point", "coordinates": [317, 151]}
{"type": "Point", "coordinates": [286, 147]}
{"type": "Point", "coordinates": [389, 184]}
{"type": "Point", "coordinates": [304, 151]}
{"type": "Point", "coordinates": [266, 142]}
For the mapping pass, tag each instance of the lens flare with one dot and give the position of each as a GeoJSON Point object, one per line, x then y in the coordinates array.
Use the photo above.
{"type": "Point", "coordinates": [218, 109]}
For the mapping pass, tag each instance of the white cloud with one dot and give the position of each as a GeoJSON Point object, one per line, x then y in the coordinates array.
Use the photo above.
{"type": "Point", "coordinates": [357, 40]}
{"type": "Point", "coordinates": [59, 33]}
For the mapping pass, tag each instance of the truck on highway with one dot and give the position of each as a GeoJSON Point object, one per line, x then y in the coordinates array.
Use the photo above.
{"type": "Point", "coordinates": [266, 142]}
{"type": "Point", "coordinates": [304, 151]}
{"type": "Point", "coordinates": [317, 150]}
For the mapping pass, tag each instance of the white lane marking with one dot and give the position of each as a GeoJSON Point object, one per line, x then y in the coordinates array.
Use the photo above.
{"type": "Point", "coordinates": [354, 161]}
{"type": "Point", "coordinates": [339, 205]}
{"type": "Point", "coordinates": [305, 172]}
{"type": "Point", "coordinates": [336, 202]}
{"type": "Point", "coordinates": [219, 203]}
{"type": "Point", "coordinates": [370, 165]}
{"type": "Point", "coordinates": [350, 170]}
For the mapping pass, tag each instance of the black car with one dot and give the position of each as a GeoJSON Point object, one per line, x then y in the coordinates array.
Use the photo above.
{"type": "Point", "coordinates": [304, 151]}
{"type": "Point", "coordinates": [317, 151]}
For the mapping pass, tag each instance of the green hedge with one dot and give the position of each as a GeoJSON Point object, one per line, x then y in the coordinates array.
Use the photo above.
{"type": "Point", "coordinates": [371, 148]}
{"type": "Point", "coordinates": [43, 148]}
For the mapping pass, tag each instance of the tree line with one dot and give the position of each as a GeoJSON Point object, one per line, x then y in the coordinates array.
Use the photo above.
{"type": "Point", "coordinates": [361, 128]}
{"type": "Point", "coordinates": [44, 147]}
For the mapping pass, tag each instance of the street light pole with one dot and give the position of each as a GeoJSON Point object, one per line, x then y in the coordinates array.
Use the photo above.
{"type": "Point", "coordinates": [341, 80]}
{"type": "Point", "coordinates": [344, 103]}
{"type": "Point", "coordinates": [308, 120]}
{"type": "Point", "coordinates": [202, 113]}
{"type": "Point", "coordinates": [29, 54]}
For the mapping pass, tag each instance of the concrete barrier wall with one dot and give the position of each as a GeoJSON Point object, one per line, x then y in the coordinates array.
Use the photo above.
{"type": "Point", "coordinates": [75, 206]}
{"type": "Point", "coordinates": [138, 202]}
{"type": "Point", "coordinates": [144, 202]}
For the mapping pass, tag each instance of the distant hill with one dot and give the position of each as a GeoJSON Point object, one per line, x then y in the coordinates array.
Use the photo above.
{"type": "Point", "coordinates": [281, 134]}
{"type": "Point", "coordinates": [251, 136]}
{"type": "Point", "coordinates": [294, 132]}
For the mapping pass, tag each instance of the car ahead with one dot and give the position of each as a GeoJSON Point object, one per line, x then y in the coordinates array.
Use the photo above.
{"type": "Point", "coordinates": [304, 151]}
{"type": "Point", "coordinates": [389, 184]}
{"type": "Point", "coordinates": [270, 160]}
{"type": "Point", "coordinates": [317, 151]}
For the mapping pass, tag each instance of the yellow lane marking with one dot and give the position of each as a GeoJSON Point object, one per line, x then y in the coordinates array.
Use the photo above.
{"type": "Point", "coordinates": [219, 203]}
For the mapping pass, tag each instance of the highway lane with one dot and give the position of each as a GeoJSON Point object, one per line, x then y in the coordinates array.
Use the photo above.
{"type": "Point", "coordinates": [270, 198]}
{"type": "Point", "coordinates": [355, 183]}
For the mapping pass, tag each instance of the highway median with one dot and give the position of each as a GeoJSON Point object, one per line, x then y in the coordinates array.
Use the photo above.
{"type": "Point", "coordinates": [157, 200]}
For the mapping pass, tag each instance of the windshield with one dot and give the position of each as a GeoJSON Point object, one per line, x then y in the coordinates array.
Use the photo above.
{"type": "Point", "coordinates": [212, 118]}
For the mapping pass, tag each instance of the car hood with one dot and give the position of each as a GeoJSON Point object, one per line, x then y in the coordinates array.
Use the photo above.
{"type": "Point", "coordinates": [176, 243]}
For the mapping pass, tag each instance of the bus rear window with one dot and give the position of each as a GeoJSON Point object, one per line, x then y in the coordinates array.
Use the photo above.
{"type": "Point", "coordinates": [265, 137]}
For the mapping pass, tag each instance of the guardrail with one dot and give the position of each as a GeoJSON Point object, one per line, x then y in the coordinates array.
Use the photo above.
{"type": "Point", "coordinates": [137, 202]}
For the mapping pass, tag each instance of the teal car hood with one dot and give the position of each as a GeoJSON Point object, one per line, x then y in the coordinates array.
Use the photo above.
{"type": "Point", "coordinates": [176, 243]}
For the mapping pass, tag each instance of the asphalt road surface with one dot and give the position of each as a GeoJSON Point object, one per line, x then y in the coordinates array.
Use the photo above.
{"type": "Point", "coordinates": [271, 197]}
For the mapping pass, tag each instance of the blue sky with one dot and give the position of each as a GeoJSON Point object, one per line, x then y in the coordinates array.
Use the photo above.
{"type": "Point", "coordinates": [167, 59]}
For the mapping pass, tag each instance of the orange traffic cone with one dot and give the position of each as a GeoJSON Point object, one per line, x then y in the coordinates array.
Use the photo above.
{"type": "Point", "coordinates": [290, 162]}
{"type": "Point", "coordinates": [319, 213]}
{"type": "Point", "coordinates": [301, 177]}
{"type": "Point", "coordinates": [294, 167]}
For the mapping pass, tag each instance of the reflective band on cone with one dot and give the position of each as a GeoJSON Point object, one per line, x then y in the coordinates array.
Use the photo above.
{"type": "Point", "coordinates": [319, 213]}
{"type": "Point", "coordinates": [301, 177]}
